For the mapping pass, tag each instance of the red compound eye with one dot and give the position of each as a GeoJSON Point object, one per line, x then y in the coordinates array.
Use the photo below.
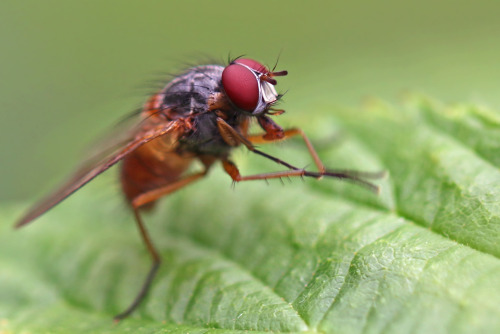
{"type": "Point", "coordinates": [241, 84]}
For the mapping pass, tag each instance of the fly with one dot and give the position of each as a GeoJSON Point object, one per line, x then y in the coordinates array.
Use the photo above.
{"type": "Point", "coordinates": [201, 115]}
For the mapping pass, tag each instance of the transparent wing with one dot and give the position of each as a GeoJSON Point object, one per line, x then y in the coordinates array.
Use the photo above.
{"type": "Point", "coordinates": [99, 163]}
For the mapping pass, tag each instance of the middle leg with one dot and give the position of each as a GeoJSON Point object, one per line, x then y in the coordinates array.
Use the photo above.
{"type": "Point", "coordinates": [233, 171]}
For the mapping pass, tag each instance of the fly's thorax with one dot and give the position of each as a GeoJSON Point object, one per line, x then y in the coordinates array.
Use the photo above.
{"type": "Point", "coordinates": [189, 93]}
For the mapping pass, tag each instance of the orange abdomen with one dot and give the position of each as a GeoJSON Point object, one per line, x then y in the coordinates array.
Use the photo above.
{"type": "Point", "coordinates": [151, 166]}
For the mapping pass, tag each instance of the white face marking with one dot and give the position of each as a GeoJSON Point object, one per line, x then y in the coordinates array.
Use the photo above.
{"type": "Point", "coordinates": [269, 94]}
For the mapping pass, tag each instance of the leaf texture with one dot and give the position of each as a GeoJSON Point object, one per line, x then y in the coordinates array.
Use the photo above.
{"type": "Point", "coordinates": [313, 256]}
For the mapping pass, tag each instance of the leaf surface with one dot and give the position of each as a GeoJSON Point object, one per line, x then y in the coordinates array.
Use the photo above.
{"type": "Point", "coordinates": [312, 256]}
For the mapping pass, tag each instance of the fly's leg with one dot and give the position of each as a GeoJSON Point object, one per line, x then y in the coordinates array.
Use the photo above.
{"type": "Point", "coordinates": [274, 132]}
{"type": "Point", "coordinates": [137, 202]}
{"type": "Point", "coordinates": [152, 271]}
{"type": "Point", "coordinates": [234, 138]}
{"type": "Point", "coordinates": [233, 171]}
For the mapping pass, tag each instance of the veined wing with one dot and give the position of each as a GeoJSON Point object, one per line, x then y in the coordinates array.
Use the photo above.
{"type": "Point", "coordinates": [98, 165]}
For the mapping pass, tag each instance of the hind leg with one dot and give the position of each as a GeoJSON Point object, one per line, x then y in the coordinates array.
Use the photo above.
{"type": "Point", "coordinates": [137, 202]}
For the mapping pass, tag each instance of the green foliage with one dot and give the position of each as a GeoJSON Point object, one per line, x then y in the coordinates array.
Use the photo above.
{"type": "Point", "coordinates": [313, 256]}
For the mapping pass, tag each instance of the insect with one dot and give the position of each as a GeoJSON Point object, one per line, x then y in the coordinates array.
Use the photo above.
{"type": "Point", "coordinates": [200, 115]}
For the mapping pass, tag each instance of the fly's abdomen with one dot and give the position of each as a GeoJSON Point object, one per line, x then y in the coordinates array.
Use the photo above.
{"type": "Point", "coordinates": [151, 167]}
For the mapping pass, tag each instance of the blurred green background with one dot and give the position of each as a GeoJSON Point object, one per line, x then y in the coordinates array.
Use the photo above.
{"type": "Point", "coordinates": [70, 69]}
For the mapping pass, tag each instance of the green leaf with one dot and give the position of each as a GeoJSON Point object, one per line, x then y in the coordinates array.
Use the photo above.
{"type": "Point", "coordinates": [312, 256]}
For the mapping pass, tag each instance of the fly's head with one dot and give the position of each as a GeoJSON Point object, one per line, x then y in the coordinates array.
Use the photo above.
{"type": "Point", "coordinates": [249, 85]}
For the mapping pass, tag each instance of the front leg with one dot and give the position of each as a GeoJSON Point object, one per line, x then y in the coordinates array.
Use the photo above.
{"type": "Point", "coordinates": [274, 132]}
{"type": "Point", "coordinates": [233, 138]}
